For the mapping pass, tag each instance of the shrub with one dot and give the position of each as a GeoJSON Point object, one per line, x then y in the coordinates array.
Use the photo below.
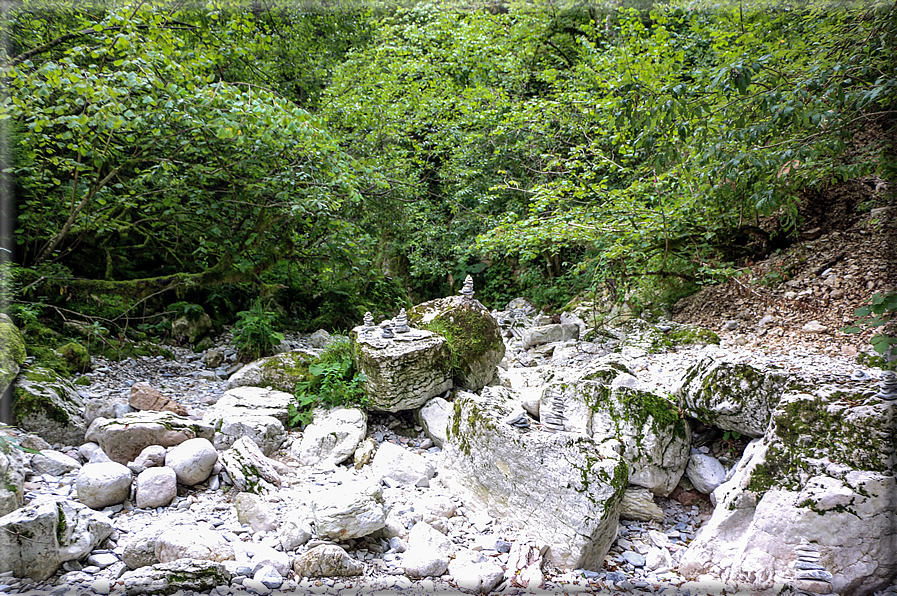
{"type": "Point", "coordinates": [334, 382]}
{"type": "Point", "coordinates": [254, 333]}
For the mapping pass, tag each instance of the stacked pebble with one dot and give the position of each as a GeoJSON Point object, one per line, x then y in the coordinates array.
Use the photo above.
{"type": "Point", "coordinates": [368, 320]}
{"type": "Point", "coordinates": [887, 386]}
{"type": "Point", "coordinates": [810, 577]}
{"type": "Point", "coordinates": [387, 330]}
{"type": "Point", "coordinates": [553, 419]}
{"type": "Point", "coordinates": [402, 322]}
{"type": "Point", "coordinates": [467, 288]}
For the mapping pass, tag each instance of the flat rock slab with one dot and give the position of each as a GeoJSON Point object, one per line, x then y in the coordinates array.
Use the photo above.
{"type": "Point", "coordinates": [122, 439]}
{"type": "Point", "coordinates": [565, 488]}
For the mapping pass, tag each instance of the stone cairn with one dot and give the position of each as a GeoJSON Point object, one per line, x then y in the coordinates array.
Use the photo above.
{"type": "Point", "coordinates": [888, 386]}
{"type": "Point", "coordinates": [553, 419]}
{"type": "Point", "coordinates": [809, 576]}
{"type": "Point", "coordinates": [368, 320]}
{"type": "Point", "coordinates": [402, 322]}
{"type": "Point", "coordinates": [387, 330]}
{"type": "Point", "coordinates": [467, 289]}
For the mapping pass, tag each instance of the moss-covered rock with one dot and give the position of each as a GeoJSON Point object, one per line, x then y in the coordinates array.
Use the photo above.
{"type": "Point", "coordinates": [473, 336]}
{"type": "Point", "coordinates": [12, 352]}
{"type": "Point", "coordinates": [281, 372]}
{"type": "Point", "coordinates": [686, 335]}
{"type": "Point", "coordinates": [76, 355]}
{"type": "Point", "coordinates": [192, 328]}
{"type": "Point", "coordinates": [824, 471]}
{"type": "Point", "coordinates": [732, 395]}
{"type": "Point", "coordinates": [49, 406]}
{"type": "Point", "coordinates": [565, 488]}
{"type": "Point", "coordinates": [12, 475]}
{"type": "Point", "coordinates": [640, 338]}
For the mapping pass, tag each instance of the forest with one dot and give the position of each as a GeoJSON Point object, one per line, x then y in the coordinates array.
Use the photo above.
{"type": "Point", "coordinates": [309, 162]}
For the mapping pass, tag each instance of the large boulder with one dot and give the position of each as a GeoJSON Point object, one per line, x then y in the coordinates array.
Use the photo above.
{"type": "Point", "coordinates": [731, 394]}
{"type": "Point", "coordinates": [258, 413]}
{"type": "Point", "coordinates": [824, 471]}
{"type": "Point", "coordinates": [332, 437]}
{"type": "Point", "coordinates": [565, 488]}
{"type": "Point", "coordinates": [192, 542]}
{"type": "Point", "coordinates": [546, 334]}
{"type": "Point", "coordinates": [36, 539]}
{"type": "Point", "coordinates": [280, 372]}
{"type": "Point", "coordinates": [122, 439]}
{"type": "Point", "coordinates": [49, 406]}
{"type": "Point", "coordinates": [402, 373]}
{"type": "Point", "coordinates": [192, 460]}
{"type": "Point", "coordinates": [327, 560]}
{"type": "Point", "coordinates": [12, 352]}
{"type": "Point", "coordinates": [473, 336]}
{"type": "Point", "coordinates": [350, 511]}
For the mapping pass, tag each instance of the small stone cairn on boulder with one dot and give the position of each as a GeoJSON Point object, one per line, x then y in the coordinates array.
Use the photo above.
{"type": "Point", "coordinates": [887, 386]}
{"type": "Point", "coordinates": [809, 576]}
{"type": "Point", "coordinates": [553, 419]}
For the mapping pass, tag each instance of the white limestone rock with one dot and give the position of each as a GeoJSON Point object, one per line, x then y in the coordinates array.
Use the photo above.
{"type": "Point", "coordinates": [258, 413]}
{"type": "Point", "coordinates": [255, 511]}
{"type": "Point", "coordinates": [656, 440]}
{"type": "Point", "coordinates": [36, 539]}
{"type": "Point", "coordinates": [705, 472]}
{"type": "Point", "coordinates": [434, 417]}
{"type": "Point", "coordinates": [547, 334]}
{"type": "Point", "coordinates": [396, 466]}
{"type": "Point", "coordinates": [248, 468]}
{"type": "Point", "coordinates": [476, 572]}
{"type": "Point", "coordinates": [139, 549]}
{"type": "Point", "coordinates": [192, 542]}
{"type": "Point", "coordinates": [108, 406]}
{"type": "Point", "coordinates": [351, 510]}
{"type": "Point", "coordinates": [564, 488]}
{"type": "Point", "coordinates": [262, 556]}
{"type": "Point", "coordinates": [151, 457]}
{"type": "Point", "coordinates": [824, 472]}
{"type": "Point", "coordinates": [122, 439]}
{"type": "Point", "coordinates": [103, 484]}
{"type": "Point", "coordinates": [192, 460]}
{"type": "Point", "coordinates": [156, 487]}
{"type": "Point", "coordinates": [293, 533]}
{"type": "Point", "coordinates": [332, 437]}
{"type": "Point", "coordinates": [428, 552]}
{"type": "Point", "coordinates": [402, 375]}
{"type": "Point", "coordinates": [327, 560]}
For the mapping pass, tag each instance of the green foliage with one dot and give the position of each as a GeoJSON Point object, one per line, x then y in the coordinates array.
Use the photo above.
{"type": "Point", "coordinates": [334, 382]}
{"type": "Point", "coordinates": [254, 332]}
{"type": "Point", "coordinates": [878, 313]}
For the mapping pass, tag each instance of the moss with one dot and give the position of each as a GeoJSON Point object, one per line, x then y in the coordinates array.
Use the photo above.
{"type": "Point", "coordinates": [470, 334]}
{"type": "Point", "coordinates": [61, 525]}
{"type": "Point", "coordinates": [76, 355]}
{"type": "Point", "coordinates": [693, 335]}
{"type": "Point", "coordinates": [12, 341]}
{"type": "Point", "coordinates": [82, 381]}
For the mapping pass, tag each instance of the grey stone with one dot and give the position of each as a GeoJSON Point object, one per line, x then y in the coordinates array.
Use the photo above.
{"type": "Point", "coordinates": [332, 437]}
{"type": "Point", "coordinates": [397, 466]}
{"type": "Point", "coordinates": [192, 460]}
{"type": "Point", "coordinates": [428, 552]}
{"type": "Point", "coordinates": [53, 463]}
{"type": "Point", "coordinates": [12, 478]}
{"type": "Point", "coordinates": [192, 542]}
{"type": "Point", "coordinates": [434, 418]}
{"type": "Point", "coordinates": [546, 334]}
{"type": "Point", "coordinates": [255, 511]}
{"type": "Point", "coordinates": [351, 510]}
{"type": "Point", "coordinates": [705, 472]}
{"type": "Point", "coordinates": [155, 487]}
{"type": "Point", "coordinates": [248, 468]}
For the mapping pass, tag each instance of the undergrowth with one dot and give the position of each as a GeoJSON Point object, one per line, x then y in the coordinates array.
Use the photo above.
{"type": "Point", "coordinates": [334, 382]}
